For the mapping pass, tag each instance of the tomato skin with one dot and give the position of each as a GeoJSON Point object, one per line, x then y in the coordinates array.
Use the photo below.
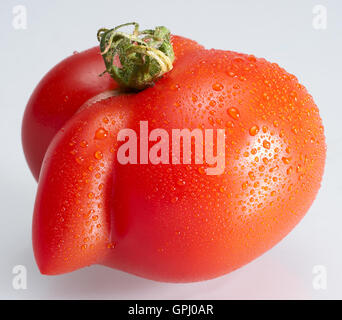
{"type": "Point", "coordinates": [62, 91]}
{"type": "Point", "coordinates": [172, 222]}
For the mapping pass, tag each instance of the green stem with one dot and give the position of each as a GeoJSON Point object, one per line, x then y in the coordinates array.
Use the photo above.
{"type": "Point", "coordinates": [144, 55]}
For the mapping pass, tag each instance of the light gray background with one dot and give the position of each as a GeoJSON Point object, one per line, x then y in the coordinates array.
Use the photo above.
{"type": "Point", "coordinates": [280, 31]}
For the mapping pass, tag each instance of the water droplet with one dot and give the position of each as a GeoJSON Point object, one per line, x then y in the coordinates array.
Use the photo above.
{"type": "Point", "coordinates": [174, 199]}
{"type": "Point", "coordinates": [217, 86]}
{"type": "Point", "coordinates": [212, 103]}
{"type": "Point", "coordinates": [201, 170]}
{"type": "Point", "coordinates": [238, 60]}
{"type": "Point", "coordinates": [234, 113]}
{"type": "Point", "coordinates": [251, 175]}
{"type": "Point", "coordinates": [84, 144]}
{"type": "Point", "coordinates": [251, 58]}
{"type": "Point", "coordinates": [79, 159]}
{"type": "Point", "coordinates": [286, 160]}
{"type": "Point", "coordinates": [111, 245]}
{"type": "Point", "coordinates": [98, 155]}
{"type": "Point", "coordinates": [101, 133]}
{"type": "Point", "coordinates": [181, 182]}
{"type": "Point", "coordinates": [253, 130]}
{"type": "Point", "coordinates": [266, 144]}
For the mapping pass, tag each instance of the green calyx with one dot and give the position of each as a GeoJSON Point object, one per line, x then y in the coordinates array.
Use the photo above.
{"type": "Point", "coordinates": [144, 55]}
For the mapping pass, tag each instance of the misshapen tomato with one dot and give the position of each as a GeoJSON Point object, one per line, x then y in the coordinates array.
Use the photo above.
{"type": "Point", "coordinates": [174, 222]}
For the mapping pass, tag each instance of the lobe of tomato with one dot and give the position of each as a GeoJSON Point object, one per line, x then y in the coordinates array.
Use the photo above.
{"type": "Point", "coordinates": [71, 226]}
{"type": "Point", "coordinates": [61, 93]}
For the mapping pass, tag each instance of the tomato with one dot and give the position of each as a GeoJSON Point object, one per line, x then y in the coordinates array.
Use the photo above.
{"type": "Point", "coordinates": [175, 222]}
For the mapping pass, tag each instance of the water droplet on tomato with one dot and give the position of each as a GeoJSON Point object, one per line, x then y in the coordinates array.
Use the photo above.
{"type": "Point", "coordinates": [101, 133]}
{"type": "Point", "coordinates": [286, 160]}
{"type": "Point", "coordinates": [234, 113]}
{"type": "Point", "coordinates": [251, 175]}
{"type": "Point", "coordinates": [266, 144]}
{"type": "Point", "coordinates": [84, 144]}
{"type": "Point", "coordinates": [79, 159]}
{"type": "Point", "coordinates": [98, 155]}
{"type": "Point", "coordinates": [174, 199]}
{"type": "Point", "coordinates": [201, 170]}
{"type": "Point", "coordinates": [217, 86]}
{"type": "Point", "coordinates": [111, 245]}
{"type": "Point", "coordinates": [181, 182]}
{"type": "Point", "coordinates": [253, 130]}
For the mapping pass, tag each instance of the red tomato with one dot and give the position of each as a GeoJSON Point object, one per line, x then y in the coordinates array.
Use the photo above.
{"type": "Point", "coordinates": [174, 222]}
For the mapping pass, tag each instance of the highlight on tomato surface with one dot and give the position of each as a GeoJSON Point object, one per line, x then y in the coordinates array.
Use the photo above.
{"type": "Point", "coordinates": [158, 157]}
